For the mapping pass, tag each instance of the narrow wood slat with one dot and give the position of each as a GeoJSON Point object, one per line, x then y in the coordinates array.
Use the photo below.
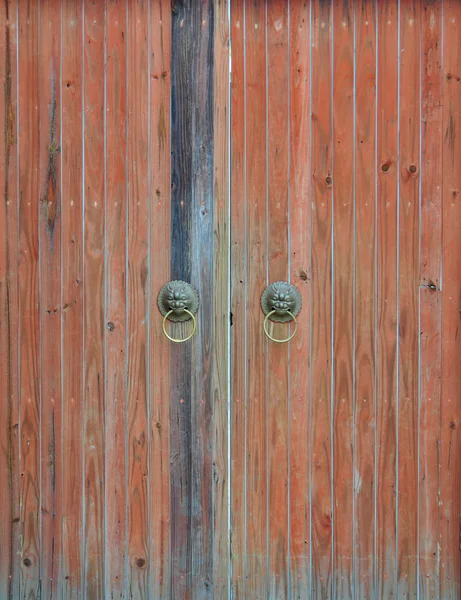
{"type": "Point", "coordinates": [72, 300]}
{"type": "Point", "coordinates": [256, 446]}
{"type": "Point", "coordinates": [430, 299]}
{"type": "Point", "coordinates": [159, 355]}
{"type": "Point", "coordinates": [221, 285]}
{"type": "Point", "coordinates": [93, 276]}
{"type": "Point", "coordinates": [343, 298]}
{"type": "Point", "coordinates": [28, 274]}
{"type": "Point", "coordinates": [387, 215]}
{"type": "Point", "coordinates": [321, 425]}
{"type": "Point", "coordinates": [408, 298]}
{"type": "Point", "coordinates": [138, 297]}
{"type": "Point", "coordinates": [301, 277]}
{"type": "Point", "coordinates": [278, 401]}
{"type": "Point", "coordinates": [49, 167]}
{"type": "Point", "coordinates": [201, 197]}
{"type": "Point", "coordinates": [450, 556]}
{"type": "Point", "coordinates": [9, 303]}
{"type": "Point", "coordinates": [115, 300]}
{"type": "Point", "coordinates": [365, 298]}
{"type": "Point", "coordinates": [238, 317]}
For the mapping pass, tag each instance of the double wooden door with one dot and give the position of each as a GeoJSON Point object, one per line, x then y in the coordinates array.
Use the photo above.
{"type": "Point", "coordinates": [230, 145]}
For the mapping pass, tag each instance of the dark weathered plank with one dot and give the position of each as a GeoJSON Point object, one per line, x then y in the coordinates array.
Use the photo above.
{"type": "Point", "coordinates": [256, 238]}
{"type": "Point", "coordinates": [72, 300]}
{"type": "Point", "coordinates": [343, 298]}
{"type": "Point", "coordinates": [9, 302]}
{"type": "Point", "coordinates": [365, 298]}
{"type": "Point", "coordinates": [278, 401]}
{"type": "Point", "coordinates": [138, 296]}
{"type": "Point", "coordinates": [93, 282]}
{"type": "Point", "coordinates": [29, 379]}
{"type": "Point", "coordinates": [408, 298]}
{"type": "Point", "coordinates": [221, 285]}
{"type": "Point", "coordinates": [450, 497]}
{"type": "Point", "coordinates": [300, 275]}
{"type": "Point", "coordinates": [387, 218]}
{"type": "Point", "coordinates": [238, 316]}
{"type": "Point", "coordinates": [49, 167]}
{"type": "Point", "coordinates": [159, 256]}
{"type": "Point", "coordinates": [321, 373]}
{"type": "Point", "coordinates": [430, 299]}
{"type": "Point", "coordinates": [115, 300]}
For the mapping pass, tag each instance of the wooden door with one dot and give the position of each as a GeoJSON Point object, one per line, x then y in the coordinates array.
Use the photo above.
{"type": "Point", "coordinates": [345, 182]}
{"type": "Point", "coordinates": [230, 145]}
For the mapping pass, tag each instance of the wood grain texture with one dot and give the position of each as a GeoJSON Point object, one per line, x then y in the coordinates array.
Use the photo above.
{"type": "Point", "coordinates": [343, 297]}
{"type": "Point", "coordinates": [301, 276]}
{"type": "Point", "coordinates": [49, 164]}
{"type": "Point", "coordinates": [238, 316]}
{"type": "Point", "coordinates": [450, 559]}
{"type": "Point", "coordinates": [9, 304]}
{"type": "Point", "coordinates": [138, 296]}
{"type": "Point", "coordinates": [72, 300]}
{"type": "Point", "coordinates": [93, 297]}
{"type": "Point", "coordinates": [321, 425]}
{"type": "Point", "coordinates": [408, 298]}
{"type": "Point", "coordinates": [28, 274]}
{"type": "Point", "coordinates": [159, 353]}
{"type": "Point", "coordinates": [115, 300]}
{"type": "Point", "coordinates": [365, 298]}
{"type": "Point", "coordinates": [256, 278]}
{"type": "Point", "coordinates": [221, 291]}
{"type": "Point", "coordinates": [430, 324]}
{"type": "Point", "coordinates": [387, 216]}
{"type": "Point", "coordinates": [278, 396]}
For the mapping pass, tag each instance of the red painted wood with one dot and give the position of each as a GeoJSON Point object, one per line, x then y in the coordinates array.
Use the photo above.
{"type": "Point", "coordinates": [28, 274]}
{"type": "Point", "coordinates": [365, 298]}
{"type": "Point", "coordinates": [72, 301]}
{"type": "Point", "coordinates": [9, 304]}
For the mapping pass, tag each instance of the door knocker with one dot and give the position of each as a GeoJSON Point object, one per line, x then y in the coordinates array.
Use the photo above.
{"type": "Point", "coordinates": [178, 302]}
{"type": "Point", "coordinates": [281, 303]}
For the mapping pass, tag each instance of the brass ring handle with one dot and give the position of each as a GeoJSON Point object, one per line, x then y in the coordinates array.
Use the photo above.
{"type": "Point", "coordinates": [273, 338]}
{"type": "Point", "coordinates": [175, 340]}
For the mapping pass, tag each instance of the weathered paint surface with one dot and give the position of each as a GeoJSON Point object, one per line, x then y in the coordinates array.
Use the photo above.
{"type": "Point", "coordinates": [137, 468]}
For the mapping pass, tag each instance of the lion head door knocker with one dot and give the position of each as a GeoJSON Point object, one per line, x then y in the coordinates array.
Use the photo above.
{"type": "Point", "coordinates": [281, 303]}
{"type": "Point", "coordinates": [178, 302]}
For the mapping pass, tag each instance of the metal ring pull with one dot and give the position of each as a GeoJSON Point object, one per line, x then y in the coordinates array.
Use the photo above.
{"type": "Point", "coordinates": [281, 303]}
{"type": "Point", "coordinates": [273, 339]}
{"type": "Point", "coordinates": [178, 302]}
{"type": "Point", "coordinates": [176, 340]}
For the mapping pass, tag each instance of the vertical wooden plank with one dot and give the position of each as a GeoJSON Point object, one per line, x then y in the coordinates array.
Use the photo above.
{"type": "Point", "coordinates": [343, 298]}
{"type": "Point", "coordinates": [300, 276]}
{"type": "Point", "coordinates": [9, 303]}
{"type": "Point", "coordinates": [72, 300]}
{"type": "Point", "coordinates": [94, 233]}
{"type": "Point", "coordinates": [160, 235]}
{"type": "Point", "coordinates": [202, 257]}
{"type": "Point", "coordinates": [322, 501]}
{"type": "Point", "coordinates": [256, 450]}
{"type": "Point", "coordinates": [28, 102]}
{"type": "Point", "coordinates": [115, 300]}
{"type": "Point", "coordinates": [430, 298]}
{"type": "Point", "coordinates": [50, 292]}
{"type": "Point", "coordinates": [238, 317]}
{"type": "Point", "coordinates": [450, 586]}
{"type": "Point", "coordinates": [365, 299]}
{"type": "Point", "coordinates": [221, 283]}
{"type": "Point", "coordinates": [137, 296]}
{"type": "Point", "coordinates": [387, 115]}
{"type": "Point", "coordinates": [277, 268]}
{"type": "Point", "coordinates": [408, 293]}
